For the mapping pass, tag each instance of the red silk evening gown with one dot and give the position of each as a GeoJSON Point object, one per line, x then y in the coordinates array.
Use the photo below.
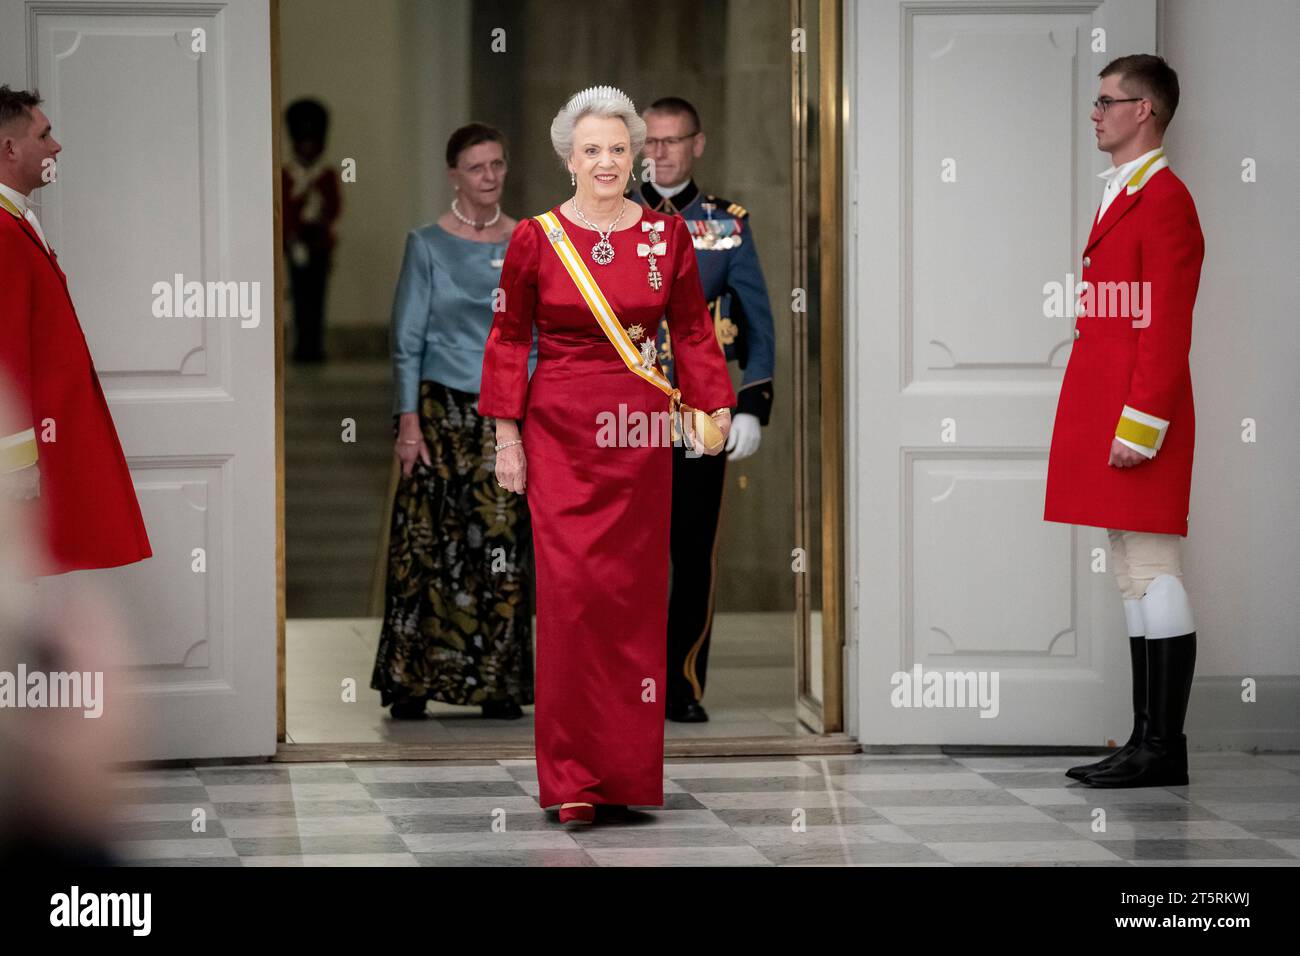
{"type": "Point", "coordinates": [600, 515]}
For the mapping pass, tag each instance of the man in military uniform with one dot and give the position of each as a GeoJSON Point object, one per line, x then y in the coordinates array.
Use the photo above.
{"type": "Point", "coordinates": [737, 296]}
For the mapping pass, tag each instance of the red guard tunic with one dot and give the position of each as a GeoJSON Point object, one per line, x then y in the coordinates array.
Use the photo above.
{"type": "Point", "coordinates": [87, 505]}
{"type": "Point", "coordinates": [1128, 374]}
{"type": "Point", "coordinates": [600, 513]}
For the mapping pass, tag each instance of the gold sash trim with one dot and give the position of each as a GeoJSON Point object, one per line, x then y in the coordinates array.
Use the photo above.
{"type": "Point", "coordinates": [708, 430]}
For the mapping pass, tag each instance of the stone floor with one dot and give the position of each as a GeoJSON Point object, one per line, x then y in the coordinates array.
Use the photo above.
{"type": "Point", "coordinates": [914, 810]}
{"type": "Point", "coordinates": [750, 688]}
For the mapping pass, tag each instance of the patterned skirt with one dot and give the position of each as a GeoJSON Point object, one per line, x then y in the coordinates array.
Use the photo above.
{"type": "Point", "coordinates": [458, 603]}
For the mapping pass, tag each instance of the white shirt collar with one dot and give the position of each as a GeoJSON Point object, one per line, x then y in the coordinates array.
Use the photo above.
{"type": "Point", "coordinates": [25, 207]}
{"type": "Point", "coordinates": [669, 191]}
{"type": "Point", "coordinates": [15, 197]}
{"type": "Point", "coordinates": [1119, 175]}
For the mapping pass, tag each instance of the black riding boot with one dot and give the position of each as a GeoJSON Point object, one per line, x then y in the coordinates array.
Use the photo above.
{"type": "Point", "coordinates": [1161, 759]}
{"type": "Point", "coordinates": [1137, 652]}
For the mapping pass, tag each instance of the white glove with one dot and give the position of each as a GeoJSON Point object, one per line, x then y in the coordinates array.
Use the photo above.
{"type": "Point", "coordinates": [744, 437]}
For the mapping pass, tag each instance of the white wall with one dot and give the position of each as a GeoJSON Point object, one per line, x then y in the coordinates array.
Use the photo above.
{"type": "Point", "coordinates": [1239, 76]}
{"type": "Point", "coordinates": [395, 76]}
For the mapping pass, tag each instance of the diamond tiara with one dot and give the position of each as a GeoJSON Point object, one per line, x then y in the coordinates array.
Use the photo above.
{"type": "Point", "coordinates": [584, 98]}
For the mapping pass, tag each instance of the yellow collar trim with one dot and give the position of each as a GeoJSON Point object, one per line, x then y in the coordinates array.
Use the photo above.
{"type": "Point", "coordinates": [1144, 172]}
{"type": "Point", "coordinates": [10, 207]}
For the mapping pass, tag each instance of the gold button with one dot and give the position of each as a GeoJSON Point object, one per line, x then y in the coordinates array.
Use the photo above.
{"type": "Point", "coordinates": [1076, 333]}
{"type": "Point", "coordinates": [1086, 262]}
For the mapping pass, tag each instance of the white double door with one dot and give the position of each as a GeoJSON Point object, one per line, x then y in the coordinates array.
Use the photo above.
{"type": "Point", "coordinates": [973, 169]}
{"type": "Point", "coordinates": [164, 114]}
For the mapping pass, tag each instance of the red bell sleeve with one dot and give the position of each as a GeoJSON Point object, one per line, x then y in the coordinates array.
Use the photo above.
{"type": "Point", "coordinates": [1172, 252]}
{"type": "Point", "coordinates": [698, 361]}
{"type": "Point", "coordinates": [503, 391]}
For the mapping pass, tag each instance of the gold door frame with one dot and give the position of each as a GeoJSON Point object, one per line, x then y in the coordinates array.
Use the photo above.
{"type": "Point", "coordinates": [276, 163]}
{"type": "Point", "coordinates": [825, 715]}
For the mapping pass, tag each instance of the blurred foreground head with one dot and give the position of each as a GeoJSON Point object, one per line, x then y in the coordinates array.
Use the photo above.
{"type": "Point", "coordinates": [63, 717]}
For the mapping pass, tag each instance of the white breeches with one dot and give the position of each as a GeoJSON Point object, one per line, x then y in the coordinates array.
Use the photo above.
{"type": "Point", "coordinates": [1149, 571]}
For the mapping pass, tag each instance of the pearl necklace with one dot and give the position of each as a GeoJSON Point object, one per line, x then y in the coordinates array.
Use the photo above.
{"type": "Point", "coordinates": [602, 253]}
{"type": "Point", "coordinates": [455, 211]}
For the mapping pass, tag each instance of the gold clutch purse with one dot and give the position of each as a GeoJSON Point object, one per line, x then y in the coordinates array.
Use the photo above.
{"type": "Point", "coordinates": [706, 429]}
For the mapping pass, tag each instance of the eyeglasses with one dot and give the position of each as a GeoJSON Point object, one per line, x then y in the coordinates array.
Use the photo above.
{"type": "Point", "coordinates": [669, 140]}
{"type": "Point", "coordinates": [1105, 101]}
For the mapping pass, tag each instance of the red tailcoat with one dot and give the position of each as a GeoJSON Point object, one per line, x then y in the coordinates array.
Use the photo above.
{"type": "Point", "coordinates": [87, 506]}
{"type": "Point", "coordinates": [1127, 381]}
{"type": "Point", "coordinates": [319, 234]}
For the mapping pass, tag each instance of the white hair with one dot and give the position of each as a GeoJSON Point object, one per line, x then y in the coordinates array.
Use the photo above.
{"type": "Point", "coordinates": [595, 101]}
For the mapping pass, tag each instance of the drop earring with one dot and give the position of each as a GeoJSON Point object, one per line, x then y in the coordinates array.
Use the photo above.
{"type": "Point", "coordinates": [573, 180]}
{"type": "Point", "coordinates": [633, 174]}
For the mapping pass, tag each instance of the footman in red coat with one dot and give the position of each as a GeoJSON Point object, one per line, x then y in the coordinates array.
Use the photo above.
{"type": "Point", "coordinates": [1121, 454]}
{"type": "Point", "coordinates": [61, 452]}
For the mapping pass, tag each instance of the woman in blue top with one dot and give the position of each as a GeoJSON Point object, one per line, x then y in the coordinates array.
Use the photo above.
{"type": "Point", "coordinates": [458, 608]}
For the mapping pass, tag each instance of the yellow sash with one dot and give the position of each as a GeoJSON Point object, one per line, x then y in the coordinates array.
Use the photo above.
{"type": "Point", "coordinates": [609, 323]}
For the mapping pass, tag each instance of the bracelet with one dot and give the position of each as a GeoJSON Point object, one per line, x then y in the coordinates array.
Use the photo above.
{"type": "Point", "coordinates": [723, 409]}
{"type": "Point", "coordinates": [517, 441]}
{"type": "Point", "coordinates": [408, 441]}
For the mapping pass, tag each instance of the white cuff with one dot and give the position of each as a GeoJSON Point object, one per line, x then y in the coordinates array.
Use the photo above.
{"type": "Point", "coordinates": [1140, 431]}
{"type": "Point", "coordinates": [1140, 449]}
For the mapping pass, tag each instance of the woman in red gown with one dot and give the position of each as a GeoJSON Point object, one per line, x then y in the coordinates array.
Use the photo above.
{"type": "Point", "coordinates": [600, 513]}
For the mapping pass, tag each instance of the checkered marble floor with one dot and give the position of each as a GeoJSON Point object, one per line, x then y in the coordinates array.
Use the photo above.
{"type": "Point", "coordinates": [895, 809]}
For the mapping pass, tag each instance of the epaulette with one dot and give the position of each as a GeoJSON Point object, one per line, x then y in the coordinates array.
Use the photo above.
{"type": "Point", "coordinates": [734, 209]}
